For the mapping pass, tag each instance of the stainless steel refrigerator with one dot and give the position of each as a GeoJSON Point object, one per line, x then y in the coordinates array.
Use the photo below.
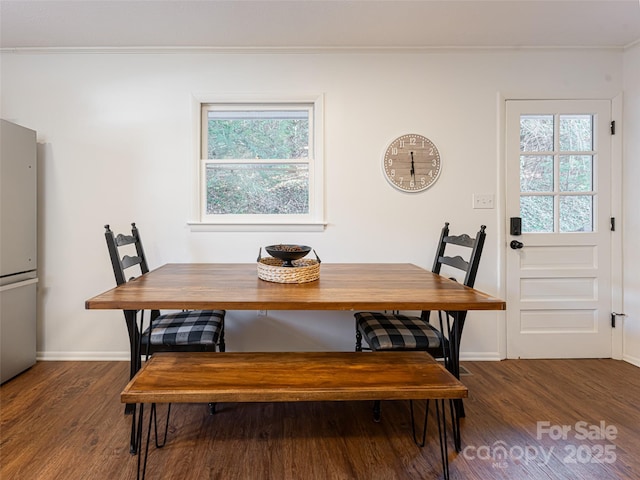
{"type": "Point", "coordinates": [18, 249]}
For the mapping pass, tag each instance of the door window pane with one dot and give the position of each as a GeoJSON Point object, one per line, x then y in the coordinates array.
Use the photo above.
{"type": "Point", "coordinates": [536, 133]}
{"type": "Point", "coordinates": [576, 213]}
{"type": "Point", "coordinates": [576, 173]}
{"type": "Point", "coordinates": [536, 173]}
{"type": "Point", "coordinates": [576, 133]}
{"type": "Point", "coordinates": [564, 166]}
{"type": "Point", "coordinates": [536, 213]}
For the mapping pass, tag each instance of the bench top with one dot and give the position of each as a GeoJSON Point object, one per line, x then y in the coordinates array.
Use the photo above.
{"type": "Point", "coordinates": [202, 377]}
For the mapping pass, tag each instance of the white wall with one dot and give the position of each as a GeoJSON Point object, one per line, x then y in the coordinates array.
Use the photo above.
{"type": "Point", "coordinates": [631, 200]}
{"type": "Point", "coordinates": [117, 146]}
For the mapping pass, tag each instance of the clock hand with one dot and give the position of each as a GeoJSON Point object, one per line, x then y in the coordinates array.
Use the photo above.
{"type": "Point", "coordinates": [413, 170]}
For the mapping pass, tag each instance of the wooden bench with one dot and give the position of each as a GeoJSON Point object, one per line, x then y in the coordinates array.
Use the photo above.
{"type": "Point", "coordinates": [204, 377]}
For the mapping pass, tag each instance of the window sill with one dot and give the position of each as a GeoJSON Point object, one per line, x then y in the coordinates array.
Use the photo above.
{"type": "Point", "coordinates": [257, 227]}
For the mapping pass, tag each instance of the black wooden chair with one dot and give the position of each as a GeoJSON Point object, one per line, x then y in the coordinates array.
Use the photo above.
{"type": "Point", "coordinates": [187, 331]}
{"type": "Point", "coordinates": [394, 331]}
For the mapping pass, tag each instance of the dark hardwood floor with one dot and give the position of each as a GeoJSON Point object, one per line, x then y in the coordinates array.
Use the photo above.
{"type": "Point", "coordinates": [534, 419]}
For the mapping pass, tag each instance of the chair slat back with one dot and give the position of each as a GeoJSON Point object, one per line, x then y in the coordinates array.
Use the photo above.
{"type": "Point", "coordinates": [455, 262]}
{"type": "Point", "coordinates": [470, 266]}
{"type": "Point", "coordinates": [121, 262]}
{"type": "Point", "coordinates": [122, 240]}
{"type": "Point", "coordinates": [128, 261]}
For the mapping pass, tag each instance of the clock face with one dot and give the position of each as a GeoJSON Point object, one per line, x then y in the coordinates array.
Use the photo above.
{"type": "Point", "coordinates": [411, 163]}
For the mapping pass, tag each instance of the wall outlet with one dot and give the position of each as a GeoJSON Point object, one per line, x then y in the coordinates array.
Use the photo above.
{"type": "Point", "coordinates": [262, 313]}
{"type": "Point", "coordinates": [483, 200]}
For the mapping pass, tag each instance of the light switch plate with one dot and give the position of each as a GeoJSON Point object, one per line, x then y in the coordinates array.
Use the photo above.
{"type": "Point", "coordinates": [483, 200]}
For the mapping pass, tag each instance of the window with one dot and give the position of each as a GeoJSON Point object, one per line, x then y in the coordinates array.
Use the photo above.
{"type": "Point", "coordinates": [557, 192]}
{"type": "Point", "coordinates": [261, 163]}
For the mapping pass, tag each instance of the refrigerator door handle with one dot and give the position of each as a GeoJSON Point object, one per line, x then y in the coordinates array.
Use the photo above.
{"type": "Point", "coordinates": [24, 283]}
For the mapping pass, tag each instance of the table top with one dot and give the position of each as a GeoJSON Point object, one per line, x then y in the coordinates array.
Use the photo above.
{"type": "Point", "coordinates": [290, 376]}
{"type": "Point", "coordinates": [341, 286]}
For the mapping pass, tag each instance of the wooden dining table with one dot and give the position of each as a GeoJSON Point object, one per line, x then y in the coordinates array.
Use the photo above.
{"type": "Point", "coordinates": [341, 286]}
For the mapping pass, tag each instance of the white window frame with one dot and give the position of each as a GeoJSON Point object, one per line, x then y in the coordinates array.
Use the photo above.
{"type": "Point", "coordinates": [314, 219]}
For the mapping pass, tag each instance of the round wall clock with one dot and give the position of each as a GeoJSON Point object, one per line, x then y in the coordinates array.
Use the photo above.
{"type": "Point", "coordinates": [411, 163]}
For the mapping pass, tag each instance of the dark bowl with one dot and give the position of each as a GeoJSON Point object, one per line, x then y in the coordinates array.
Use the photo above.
{"type": "Point", "coordinates": [288, 253]}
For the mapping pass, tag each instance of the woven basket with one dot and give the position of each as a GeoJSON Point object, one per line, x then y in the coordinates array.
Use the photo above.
{"type": "Point", "coordinates": [304, 270]}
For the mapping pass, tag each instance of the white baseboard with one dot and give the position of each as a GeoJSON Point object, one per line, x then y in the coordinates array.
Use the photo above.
{"type": "Point", "coordinates": [124, 357]}
{"type": "Point", "coordinates": [83, 356]}
{"type": "Point", "coordinates": [480, 357]}
{"type": "Point", "coordinates": [632, 360]}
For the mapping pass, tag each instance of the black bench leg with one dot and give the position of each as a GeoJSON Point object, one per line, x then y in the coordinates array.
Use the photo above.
{"type": "Point", "coordinates": [442, 435]}
{"type": "Point", "coordinates": [441, 418]}
{"type": "Point", "coordinates": [455, 424]}
{"type": "Point", "coordinates": [133, 441]}
{"type": "Point", "coordinates": [153, 420]}
{"type": "Point", "coordinates": [143, 462]}
{"type": "Point", "coordinates": [424, 426]}
{"type": "Point", "coordinates": [376, 411]}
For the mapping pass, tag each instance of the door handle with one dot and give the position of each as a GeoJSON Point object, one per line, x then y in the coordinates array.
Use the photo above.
{"type": "Point", "coordinates": [516, 245]}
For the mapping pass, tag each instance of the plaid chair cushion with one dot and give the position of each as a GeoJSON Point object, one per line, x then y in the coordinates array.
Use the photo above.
{"type": "Point", "coordinates": [384, 331]}
{"type": "Point", "coordinates": [187, 328]}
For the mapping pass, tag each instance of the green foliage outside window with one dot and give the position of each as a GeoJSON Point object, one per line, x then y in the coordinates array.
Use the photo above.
{"type": "Point", "coordinates": [258, 138]}
{"type": "Point", "coordinates": [266, 168]}
{"type": "Point", "coordinates": [275, 189]}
